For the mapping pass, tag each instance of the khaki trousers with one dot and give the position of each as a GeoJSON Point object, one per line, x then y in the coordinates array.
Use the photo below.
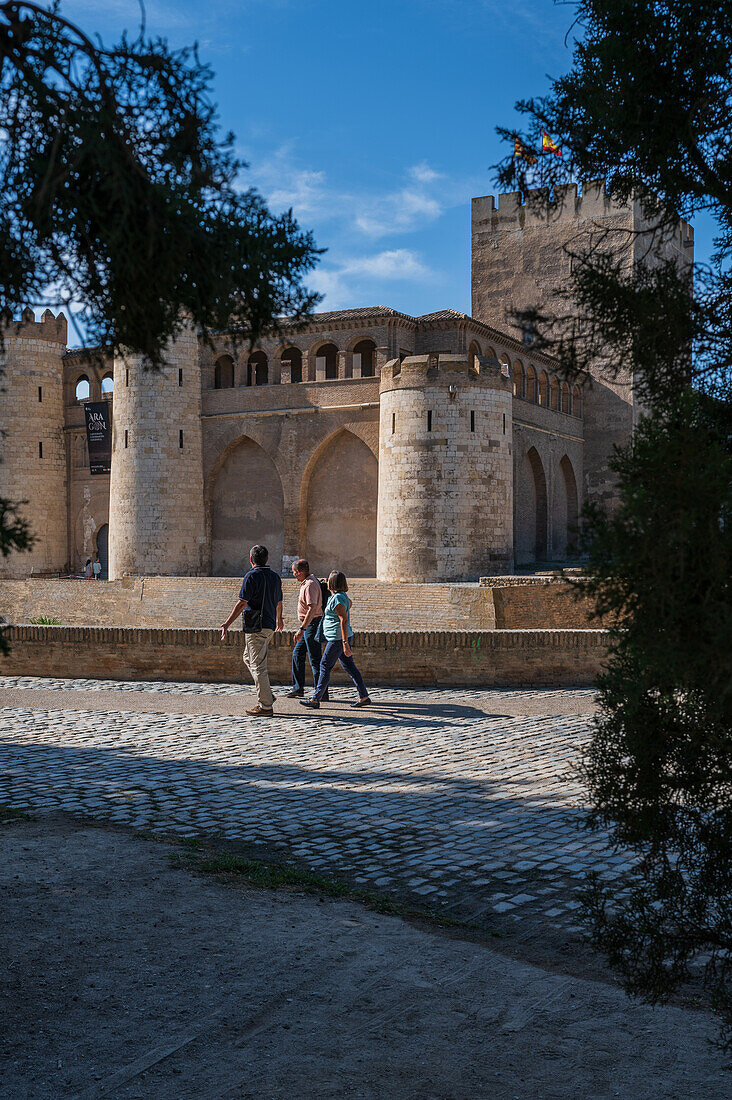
{"type": "Point", "coordinates": [255, 658]}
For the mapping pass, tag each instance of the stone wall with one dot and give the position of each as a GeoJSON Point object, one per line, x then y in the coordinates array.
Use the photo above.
{"type": "Point", "coordinates": [525, 658]}
{"type": "Point", "coordinates": [510, 603]}
{"type": "Point", "coordinates": [33, 467]}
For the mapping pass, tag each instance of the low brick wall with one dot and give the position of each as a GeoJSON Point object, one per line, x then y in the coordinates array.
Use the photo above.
{"type": "Point", "coordinates": [496, 658]}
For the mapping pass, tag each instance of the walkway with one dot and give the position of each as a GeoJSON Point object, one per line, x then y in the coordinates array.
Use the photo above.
{"type": "Point", "coordinates": [466, 802]}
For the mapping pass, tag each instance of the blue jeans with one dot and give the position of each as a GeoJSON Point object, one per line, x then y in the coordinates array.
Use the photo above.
{"type": "Point", "coordinates": [334, 652]}
{"type": "Point", "coordinates": [309, 645]}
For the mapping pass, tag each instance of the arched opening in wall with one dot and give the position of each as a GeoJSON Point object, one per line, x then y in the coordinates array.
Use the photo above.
{"type": "Point", "coordinates": [293, 358]}
{"type": "Point", "coordinates": [340, 508]}
{"type": "Point", "coordinates": [555, 394]}
{"type": "Point", "coordinates": [530, 510]}
{"type": "Point", "coordinates": [257, 369]}
{"type": "Point", "coordinates": [505, 364]}
{"type": "Point", "coordinates": [364, 357]}
{"type": "Point", "coordinates": [566, 398]}
{"type": "Point", "coordinates": [544, 389]}
{"type": "Point", "coordinates": [565, 511]}
{"type": "Point", "coordinates": [224, 373]}
{"type": "Point", "coordinates": [81, 392]}
{"type": "Point", "coordinates": [519, 379]}
{"type": "Point", "coordinates": [103, 549]}
{"type": "Point", "coordinates": [247, 507]}
{"type": "Point", "coordinates": [474, 354]}
{"type": "Point", "coordinates": [577, 401]}
{"type": "Point", "coordinates": [531, 393]}
{"type": "Point", "coordinates": [326, 361]}
{"type": "Point", "coordinates": [107, 384]}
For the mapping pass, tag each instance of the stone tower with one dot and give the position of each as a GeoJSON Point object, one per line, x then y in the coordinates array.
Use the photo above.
{"type": "Point", "coordinates": [32, 449]}
{"type": "Point", "coordinates": [521, 258]}
{"type": "Point", "coordinates": [156, 512]}
{"type": "Point", "coordinates": [445, 470]}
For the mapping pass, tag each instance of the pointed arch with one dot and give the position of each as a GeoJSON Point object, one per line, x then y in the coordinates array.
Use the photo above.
{"type": "Point", "coordinates": [246, 506]}
{"type": "Point", "coordinates": [565, 511]}
{"type": "Point", "coordinates": [530, 510]}
{"type": "Point", "coordinates": [338, 506]}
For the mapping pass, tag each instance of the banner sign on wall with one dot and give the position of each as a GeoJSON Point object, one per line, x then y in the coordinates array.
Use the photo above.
{"type": "Point", "coordinates": [99, 436]}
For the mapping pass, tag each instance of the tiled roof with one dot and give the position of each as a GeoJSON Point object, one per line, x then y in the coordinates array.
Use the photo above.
{"type": "Point", "coordinates": [444, 315]}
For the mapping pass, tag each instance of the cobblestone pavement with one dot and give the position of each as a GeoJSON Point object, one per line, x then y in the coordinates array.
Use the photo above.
{"type": "Point", "coordinates": [429, 794]}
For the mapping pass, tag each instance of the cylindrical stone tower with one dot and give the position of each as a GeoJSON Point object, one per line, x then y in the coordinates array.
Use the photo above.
{"type": "Point", "coordinates": [156, 512]}
{"type": "Point", "coordinates": [445, 470]}
{"type": "Point", "coordinates": [32, 449]}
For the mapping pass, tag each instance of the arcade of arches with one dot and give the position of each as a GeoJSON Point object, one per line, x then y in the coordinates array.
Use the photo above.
{"type": "Point", "coordinates": [338, 508]}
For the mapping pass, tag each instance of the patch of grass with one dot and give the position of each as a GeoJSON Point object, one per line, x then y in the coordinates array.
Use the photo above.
{"type": "Point", "coordinates": [275, 876]}
{"type": "Point", "coordinates": [7, 813]}
{"type": "Point", "coordinates": [44, 620]}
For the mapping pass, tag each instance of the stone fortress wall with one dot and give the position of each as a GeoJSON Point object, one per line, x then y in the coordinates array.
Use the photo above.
{"type": "Point", "coordinates": [283, 444]}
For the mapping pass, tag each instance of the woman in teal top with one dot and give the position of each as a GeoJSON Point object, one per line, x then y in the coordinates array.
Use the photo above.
{"type": "Point", "coordinates": [338, 635]}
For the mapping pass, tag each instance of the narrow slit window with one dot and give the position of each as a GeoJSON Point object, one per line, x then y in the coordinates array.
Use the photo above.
{"type": "Point", "coordinates": [393, 423]}
{"type": "Point", "coordinates": [504, 423]}
{"type": "Point", "coordinates": [472, 420]}
{"type": "Point", "coordinates": [180, 439]}
{"type": "Point", "coordinates": [40, 449]}
{"type": "Point", "coordinates": [180, 376]}
{"type": "Point", "coordinates": [127, 377]}
{"type": "Point", "coordinates": [40, 393]}
{"type": "Point", "coordinates": [127, 438]}
{"type": "Point", "coordinates": [429, 421]}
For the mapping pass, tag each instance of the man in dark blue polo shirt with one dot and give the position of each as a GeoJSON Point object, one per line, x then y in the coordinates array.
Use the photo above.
{"type": "Point", "coordinates": [261, 590]}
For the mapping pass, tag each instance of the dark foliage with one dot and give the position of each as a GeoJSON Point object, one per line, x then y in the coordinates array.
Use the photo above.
{"type": "Point", "coordinates": [647, 105]}
{"type": "Point", "coordinates": [119, 196]}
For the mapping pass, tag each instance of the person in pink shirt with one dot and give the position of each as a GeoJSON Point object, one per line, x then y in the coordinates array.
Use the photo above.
{"type": "Point", "coordinates": [309, 614]}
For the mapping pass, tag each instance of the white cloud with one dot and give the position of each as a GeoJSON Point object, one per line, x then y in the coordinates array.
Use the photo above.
{"type": "Point", "coordinates": [356, 278]}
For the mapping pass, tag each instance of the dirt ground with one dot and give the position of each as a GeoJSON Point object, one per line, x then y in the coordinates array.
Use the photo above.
{"type": "Point", "coordinates": [125, 977]}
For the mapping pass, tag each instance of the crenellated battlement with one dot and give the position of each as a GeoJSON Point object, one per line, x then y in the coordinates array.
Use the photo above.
{"type": "Point", "coordinates": [442, 369]}
{"type": "Point", "coordinates": [569, 206]}
{"type": "Point", "coordinates": [51, 328]}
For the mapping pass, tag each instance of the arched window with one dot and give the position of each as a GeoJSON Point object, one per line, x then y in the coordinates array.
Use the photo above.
{"type": "Point", "coordinates": [505, 366]}
{"type": "Point", "coordinates": [293, 358]}
{"type": "Point", "coordinates": [327, 360]}
{"type": "Point", "coordinates": [555, 394]}
{"type": "Point", "coordinates": [257, 369]}
{"type": "Point", "coordinates": [544, 389]}
{"type": "Point", "coordinates": [566, 398]}
{"type": "Point", "coordinates": [82, 388]}
{"type": "Point", "coordinates": [577, 401]}
{"type": "Point", "coordinates": [108, 383]}
{"type": "Point", "coordinates": [531, 384]}
{"type": "Point", "coordinates": [364, 356]}
{"type": "Point", "coordinates": [474, 355]}
{"type": "Point", "coordinates": [224, 373]}
{"type": "Point", "coordinates": [519, 379]}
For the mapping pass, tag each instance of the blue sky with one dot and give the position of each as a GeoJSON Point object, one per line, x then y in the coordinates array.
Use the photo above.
{"type": "Point", "coordinates": [374, 120]}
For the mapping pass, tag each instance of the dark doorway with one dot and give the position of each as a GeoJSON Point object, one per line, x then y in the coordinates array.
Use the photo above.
{"type": "Point", "coordinates": [103, 549]}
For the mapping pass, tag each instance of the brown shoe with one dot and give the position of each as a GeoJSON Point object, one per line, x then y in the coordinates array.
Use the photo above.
{"type": "Point", "coordinates": [260, 712]}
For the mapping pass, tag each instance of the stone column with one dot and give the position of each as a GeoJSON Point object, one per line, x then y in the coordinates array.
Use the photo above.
{"type": "Point", "coordinates": [342, 358]}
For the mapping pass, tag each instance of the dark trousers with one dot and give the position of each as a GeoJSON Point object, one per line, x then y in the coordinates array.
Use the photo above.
{"type": "Point", "coordinates": [334, 652]}
{"type": "Point", "coordinates": [307, 644]}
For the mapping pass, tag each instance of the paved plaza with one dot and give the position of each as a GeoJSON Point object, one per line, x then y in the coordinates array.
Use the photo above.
{"type": "Point", "coordinates": [464, 801]}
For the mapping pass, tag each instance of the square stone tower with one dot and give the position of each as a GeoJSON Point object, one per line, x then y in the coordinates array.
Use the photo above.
{"type": "Point", "coordinates": [522, 259]}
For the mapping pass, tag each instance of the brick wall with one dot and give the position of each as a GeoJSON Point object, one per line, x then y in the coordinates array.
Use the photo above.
{"type": "Point", "coordinates": [541, 603]}
{"type": "Point", "coordinates": [520, 658]}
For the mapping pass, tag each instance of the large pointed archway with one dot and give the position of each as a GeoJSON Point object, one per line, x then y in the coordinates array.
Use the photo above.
{"type": "Point", "coordinates": [247, 507]}
{"type": "Point", "coordinates": [340, 502]}
{"type": "Point", "coordinates": [530, 510]}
